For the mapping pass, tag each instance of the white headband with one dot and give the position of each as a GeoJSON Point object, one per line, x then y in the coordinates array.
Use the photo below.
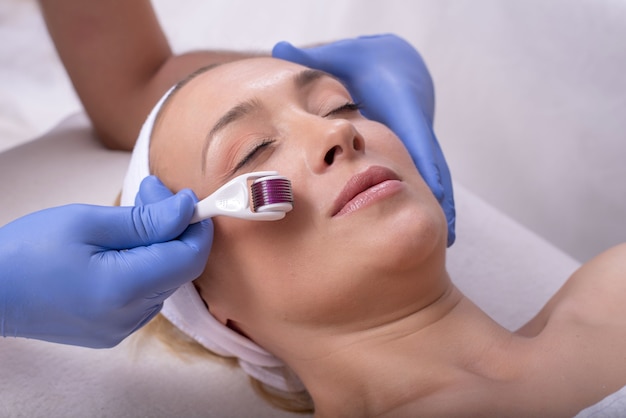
{"type": "Point", "coordinates": [186, 309]}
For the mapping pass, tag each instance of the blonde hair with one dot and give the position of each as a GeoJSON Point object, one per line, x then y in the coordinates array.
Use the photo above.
{"type": "Point", "coordinates": [182, 345]}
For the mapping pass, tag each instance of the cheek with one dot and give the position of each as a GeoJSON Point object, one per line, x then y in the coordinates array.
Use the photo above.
{"type": "Point", "coordinates": [177, 171]}
{"type": "Point", "coordinates": [249, 266]}
{"type": "Point", "coordinates": [260, 275]}
{"type": "Point", "coordinates": [383, 141]}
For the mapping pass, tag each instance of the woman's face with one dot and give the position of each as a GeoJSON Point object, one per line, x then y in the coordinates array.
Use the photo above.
{"type": "Point", "coordinates": [364, 227]}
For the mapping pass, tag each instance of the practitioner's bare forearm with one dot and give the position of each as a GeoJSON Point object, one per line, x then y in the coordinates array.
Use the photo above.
{"type": "Point", "coordinates": [119, 61]}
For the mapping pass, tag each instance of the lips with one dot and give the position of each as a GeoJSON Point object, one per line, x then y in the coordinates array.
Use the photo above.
{"type": "Point", "coordinates": [360, 183]}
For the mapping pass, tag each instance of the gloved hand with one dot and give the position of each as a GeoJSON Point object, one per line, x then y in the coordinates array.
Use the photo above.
{"type": "Point", "coordinates": [388, 77]}
{"type": "Point", "coordinates": [91, 275]}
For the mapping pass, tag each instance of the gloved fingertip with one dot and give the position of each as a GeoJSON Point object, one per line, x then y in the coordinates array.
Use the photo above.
{"type": "Point", "coordinates": [451, 232]}
{"type": "Point", "coordinates": [165, 219]}
{"type": "Point", "coordinates": [153, 178]}
{"type": "Point", "coordinates": [189, 193]}
{"type": "Point", "coordinates": [281, 44]}
{"type": "Point", "coordinates": [151, 181]}
{"type": "Point", "coordinates": [286, 51]}
{"type": "Point", "coordinates": [151, 190]}
{"type": "Point", "coordinates": [185, 202]}
{"type": "Point", "coordinates": [281, 48]}
{"type": "Point", "coordinates": [146, 184]}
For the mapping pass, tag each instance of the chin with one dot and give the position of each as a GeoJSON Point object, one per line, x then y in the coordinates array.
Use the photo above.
{"type": "Point", "coordinates": [409, 237]}
{"type": "Point", "coordinates": [421, 236]}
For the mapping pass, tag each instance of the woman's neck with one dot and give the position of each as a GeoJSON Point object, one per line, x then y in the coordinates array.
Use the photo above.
{"type": "Point", "coordinates": [417, 359]}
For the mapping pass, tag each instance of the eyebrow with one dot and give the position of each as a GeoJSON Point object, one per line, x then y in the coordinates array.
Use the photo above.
{"type": "Point", "coordinates": [308, 76]}
{"type": "Point", "coordinates": [246, 108]}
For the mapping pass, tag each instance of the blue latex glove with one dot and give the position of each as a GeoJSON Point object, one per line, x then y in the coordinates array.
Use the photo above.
{"type": "Point", "coordinates": [388, 77]}
{"type": "Point", "coordinates": [91, 275]}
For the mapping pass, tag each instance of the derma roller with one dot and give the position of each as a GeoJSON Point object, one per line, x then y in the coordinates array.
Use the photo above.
{"type": "Point", "coordinates": [272, 198]}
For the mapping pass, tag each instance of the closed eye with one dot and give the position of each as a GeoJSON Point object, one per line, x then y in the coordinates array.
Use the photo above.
{"type": "Point", "coordinates": [253, 153]}
{"type": "Point", "coordinates": [347, 107]}
{"type": "Point", "coordinates": [258, 148]}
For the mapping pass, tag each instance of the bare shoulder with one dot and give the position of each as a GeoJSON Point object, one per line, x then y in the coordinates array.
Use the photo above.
{"type": "Point", "coordinates": [581, 333]}
{"type": "Point", "coordinates": [608, 266]}
{"type": "Point", "coordinates": [594, 294]}
{"type": "Point", "coordinates": [597, 290]}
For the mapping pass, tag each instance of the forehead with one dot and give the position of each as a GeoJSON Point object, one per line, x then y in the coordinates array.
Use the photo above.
{"type": "Point", "coordinates": [197, 103]}
{"type": "Point", "coordinates": [212, 92]}
{"type": "Point", "coordinates": [192, 111]}
{"type": "Point", "coordinates": [233, 80]}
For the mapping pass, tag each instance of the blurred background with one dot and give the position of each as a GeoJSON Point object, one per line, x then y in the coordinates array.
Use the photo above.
{"type": "Point", "coordinates": [531, 94]}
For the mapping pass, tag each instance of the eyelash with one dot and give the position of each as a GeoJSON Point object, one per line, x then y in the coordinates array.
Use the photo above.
{"type": "Point", "coordinates": [249, 156]}
{"type": "Point", "coordinates": [347, 107]}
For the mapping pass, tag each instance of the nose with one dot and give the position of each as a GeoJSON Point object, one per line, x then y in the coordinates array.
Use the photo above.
{"type": "Point", "coordinates": [337, 140]}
